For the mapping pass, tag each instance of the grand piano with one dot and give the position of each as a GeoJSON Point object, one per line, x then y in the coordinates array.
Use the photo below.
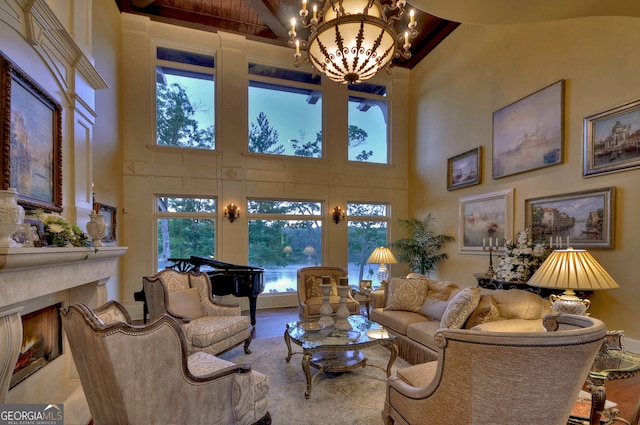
{"type": "Point", "coordinates": [226, 278]}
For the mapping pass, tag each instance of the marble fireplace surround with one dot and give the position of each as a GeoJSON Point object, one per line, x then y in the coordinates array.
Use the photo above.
{"type": "Point", "coordinates": [34, 278]}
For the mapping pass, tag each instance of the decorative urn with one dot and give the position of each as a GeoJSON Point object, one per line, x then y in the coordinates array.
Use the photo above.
{"type": "Point", "coordinates": [96, 228]}
{"type": "Point", "coordinates": [11, 217]}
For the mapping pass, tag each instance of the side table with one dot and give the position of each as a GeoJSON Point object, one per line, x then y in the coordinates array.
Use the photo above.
{"type": "Point", "coordinates": [363, 294]}
{"type": "Point", "coordinates": [609, 364]}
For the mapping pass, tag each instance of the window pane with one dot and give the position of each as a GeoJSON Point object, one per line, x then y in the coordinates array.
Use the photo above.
{"type": "Point", "coordinates": [187, 205]}
{"type": "Point", "coordinates": [284, 119]}
{"type": "Point", "coordinates": [185, 110]}
{"type": "Point", "coordinates": [364, 237]}
{"type": "Point", "coordinates": [284, 207]}
{"type": "Point", "coordinates": [367, 130]}
{"type": "Point", "coordinates": [367, 210]}
{"type": "Point", "coordinates": [281, 247]}
{"type": "Point", "coordinates": [184, 237]}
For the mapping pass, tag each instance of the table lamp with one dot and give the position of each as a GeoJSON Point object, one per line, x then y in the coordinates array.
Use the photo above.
{"type": "Point", "coordinates": [382, 256]}
{"type": "Point", "coordinates": [570, 269]}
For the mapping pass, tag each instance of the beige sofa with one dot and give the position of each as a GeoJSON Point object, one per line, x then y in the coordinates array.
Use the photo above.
{"type": "Point", "coordinates": [414, 308]}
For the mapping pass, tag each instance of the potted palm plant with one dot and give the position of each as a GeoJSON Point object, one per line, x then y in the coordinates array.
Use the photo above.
{"type": "Point", "coordinates": [422, 250]}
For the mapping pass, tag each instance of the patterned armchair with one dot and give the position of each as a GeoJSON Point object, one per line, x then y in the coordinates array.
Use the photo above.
{"type": "Point", "coordinates": [310, 297]}
{"type": "Point", "coordinates": [208, 326]}
{"type": "Point", "coordinates": [499, 378]}
{"type": "Point", "coordinates": [142, 374]}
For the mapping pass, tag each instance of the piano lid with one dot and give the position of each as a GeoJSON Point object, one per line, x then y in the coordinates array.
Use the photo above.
{"type": "Point", "coordinates": [199, 261]}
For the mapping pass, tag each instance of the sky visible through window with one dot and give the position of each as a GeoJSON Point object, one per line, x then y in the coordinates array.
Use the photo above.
{"type": "Point", "coordinates": [201, 94]}
{"type": "Point", "coordinates": [290, 114]}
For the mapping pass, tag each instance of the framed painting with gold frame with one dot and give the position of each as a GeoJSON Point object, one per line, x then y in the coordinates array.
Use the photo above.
{"type": "Point", "coordinates": [31, 140]}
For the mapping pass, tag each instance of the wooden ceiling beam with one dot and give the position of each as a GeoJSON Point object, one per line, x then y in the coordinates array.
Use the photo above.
{"type": "Point", "coordinates": [270, 17]}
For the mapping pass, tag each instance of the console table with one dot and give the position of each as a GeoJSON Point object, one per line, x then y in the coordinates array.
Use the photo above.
{"type": "Point", "coordinates": [487, 281]}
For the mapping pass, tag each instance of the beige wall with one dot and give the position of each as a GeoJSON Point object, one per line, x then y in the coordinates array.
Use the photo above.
{"type": "Point", "coordinates": [230, 173]}
{"type": "Point", "coordinates": [479, 69]}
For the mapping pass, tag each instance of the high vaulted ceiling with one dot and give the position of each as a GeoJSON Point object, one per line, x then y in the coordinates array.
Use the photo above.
{"type": "Point", "coordinates": [269, 20]}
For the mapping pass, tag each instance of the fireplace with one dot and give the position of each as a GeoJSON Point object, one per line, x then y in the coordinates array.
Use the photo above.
{"type": "Point", "coordinates": [34, 284]}
{"type": "Point", "coordinates": [41, 342]}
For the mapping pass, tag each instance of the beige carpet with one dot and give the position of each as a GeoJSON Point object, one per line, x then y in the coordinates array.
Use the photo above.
{"type": "Point", "coordinates": [352, 398]}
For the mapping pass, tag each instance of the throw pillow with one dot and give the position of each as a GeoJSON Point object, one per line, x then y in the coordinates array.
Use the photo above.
{"type": "Point", "coordinates": [406, 294]}
{"type": "Point", "coordinates": [460, 307]}
{"type": "Point", "coordinates": [186, 303]}
{"type": "Point", "coordinates": [487, 311]}
{"type": "Point", "coordinates": [441, 290]}
{"type": "Point", "coordinates": [312, 286]}
{"type": "Point", "coordinates": [433, 308]}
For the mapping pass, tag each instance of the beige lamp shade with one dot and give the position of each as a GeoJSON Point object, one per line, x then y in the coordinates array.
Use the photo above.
{"type": "Point", "coordinates": [382, 256]}
{"type": "Point", "coordinates": [570, 269]}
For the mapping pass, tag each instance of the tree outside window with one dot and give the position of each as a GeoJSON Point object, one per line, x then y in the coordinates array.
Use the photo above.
{"type": "Point", "coordinates": [185, 227]}
{"type": "Point", "coordinates": [368, 118]}
{"type": "Point", "coordinates": [367, 229]}
{"type": "Point", "coordinates": [185, 94]}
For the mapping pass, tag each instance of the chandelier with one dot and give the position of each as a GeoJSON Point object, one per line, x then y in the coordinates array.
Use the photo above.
{"type": "Point", "coordinates": [351, 40]}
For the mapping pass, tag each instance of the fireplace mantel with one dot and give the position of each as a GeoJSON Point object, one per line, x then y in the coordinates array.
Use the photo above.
{"type": "Point", "coordinates": [32, 276]}
{"type": "Point", "coordinates": [27, 273]}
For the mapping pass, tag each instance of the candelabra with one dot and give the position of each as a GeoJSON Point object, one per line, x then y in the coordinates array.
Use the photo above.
{"type": "Point", "coordinates": [490, 249]}
{"type": "Point", "coordinates": [326, 310]}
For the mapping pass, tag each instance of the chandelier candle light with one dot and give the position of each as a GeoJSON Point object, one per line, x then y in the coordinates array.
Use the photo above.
{"type": "Point", "coordinates": [351, 40]}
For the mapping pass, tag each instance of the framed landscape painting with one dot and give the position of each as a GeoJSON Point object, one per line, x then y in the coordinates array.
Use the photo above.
{"type": "Point", "coordinates": [464, 170]}
{"type": "Point", "coordinates": [482, 217]}
{"type": "Point", "coordinates": [528, 134]}
{"type": "Point", "coordinates": [612, 140]}
{"type": "Point", "coordinates": [585, 218]}
{"type": "Point", "coordinates": [31, 140]}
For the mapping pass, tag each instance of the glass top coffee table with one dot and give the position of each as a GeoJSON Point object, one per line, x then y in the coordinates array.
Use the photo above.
{"type": "Point", "coordinates": [332, 350]}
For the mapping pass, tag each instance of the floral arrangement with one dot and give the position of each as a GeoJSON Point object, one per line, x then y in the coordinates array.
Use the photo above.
{"type": "Point", "coordinates": [521, 259]}
{"type": "Point", "coordinates": [59, 232]}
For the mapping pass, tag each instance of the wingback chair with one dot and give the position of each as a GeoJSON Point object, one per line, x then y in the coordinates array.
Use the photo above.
{"type": "Point", "coordinates": [140, 375]}
{"type": "Point", "coordinates": [310, 297]}
{"type": "Point", "coordinates": [208, 325]}
{"type": "Point", "coordinates": [499, 378]}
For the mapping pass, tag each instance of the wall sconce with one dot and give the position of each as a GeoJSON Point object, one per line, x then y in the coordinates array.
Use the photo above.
{"type": "Point", "coordinates": [231, 212]}
{"type": "Point", "coordinates": [337, 214]}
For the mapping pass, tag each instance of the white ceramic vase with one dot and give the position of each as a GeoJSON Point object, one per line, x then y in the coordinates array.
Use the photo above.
{"type": "Point", "coordinates": [96, 228]}
{"type": "Point", "coordinates": [11, 217]}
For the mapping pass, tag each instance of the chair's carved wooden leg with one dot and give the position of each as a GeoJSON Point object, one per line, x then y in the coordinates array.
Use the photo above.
{"type": "Point", "coordinates": [246, 346]}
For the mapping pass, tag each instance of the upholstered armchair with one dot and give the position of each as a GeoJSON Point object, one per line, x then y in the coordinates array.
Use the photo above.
{"type": "Point", "coordinates": [310, 297]}
{"type": "Point", "coordinates": [499, 378]}
{"type": "Point", "coordinates": [208, 325]}
{"type": "Point", "coordinates": [142, 374]}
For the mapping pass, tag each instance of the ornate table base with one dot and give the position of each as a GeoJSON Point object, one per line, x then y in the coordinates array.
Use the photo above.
{"type": "Point", "coordinates": [335, 356]}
